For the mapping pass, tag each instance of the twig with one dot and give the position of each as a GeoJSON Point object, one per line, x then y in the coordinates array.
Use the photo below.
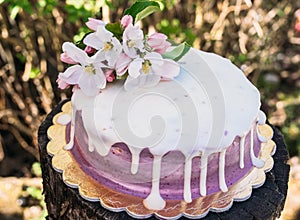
{"type": "Point", "coordinates": [20, 140]}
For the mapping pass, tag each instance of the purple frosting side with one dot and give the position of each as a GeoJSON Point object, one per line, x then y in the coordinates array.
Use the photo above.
{"type": "Point", "coordinates": [114, 170]}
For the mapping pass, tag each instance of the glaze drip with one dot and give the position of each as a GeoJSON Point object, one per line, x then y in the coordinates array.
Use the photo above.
{"type": "Point", "coordinates": [135, 158]}
{"type": "Point", "coordinates": [242, 150]}
{"type": "Point", "coordinates": [256, 161]}
{"type": "Point", "coordinates": [70, 144]}
{"type": "Point", "coordinates": [187, 194]}
{"type": "Point", "coordinates": [222, 181]}
{"type": "Point", "coordinates": [203, 174]}
{"type": "Point", "coordinates": [154, 201]}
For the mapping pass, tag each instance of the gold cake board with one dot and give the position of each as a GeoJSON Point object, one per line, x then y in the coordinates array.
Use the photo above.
{"type": "Point", "coordinates": [91, 190]}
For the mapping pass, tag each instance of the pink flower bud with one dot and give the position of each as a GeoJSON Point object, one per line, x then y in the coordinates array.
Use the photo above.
{"type": "Point", "coordinates": [297, 27]}
{"type": "Point", "coordinates": [94, 23]}
{"type": "Point", "coordinates": [109, 75]}
{"type": "Point", "coordinates": [158, 42]}
{"type": "Point", "coordinates": [66, 59]}
{"type": "Point", "coordinates": [126, 20]}
{"type": "Point", "coordinates": [89, 50]}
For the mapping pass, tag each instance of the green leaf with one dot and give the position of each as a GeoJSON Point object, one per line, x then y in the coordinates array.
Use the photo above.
{"type": "Point", "coordinates": [34, 72]}
{"type": "Point", "coordinates": [116, 29]}
{"type": "Point", "coordinates": [35, 192]}
{"type": "Point", "coordinates": [141, 9]}
{"type": "Point", "coordinates": [175, 52]}
{"type": "Point", "coordinates": [147, 11]}
{"type": "Point", "coordinates": [36, 169]}
{"type": "Point", "coordinates": [178, 52]}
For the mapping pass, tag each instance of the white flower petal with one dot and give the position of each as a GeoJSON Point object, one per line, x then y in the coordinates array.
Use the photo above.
{"type": "Point", "coordinates": [87, 85]}
{"type": "Point", "coordinates": [158, 70]}
{"type": "Point", "coordinates": [94, 23]}
{"type": "Point", "coordinates": [90, 84]}
{"type": "Point", "coordinates": [71, 70]}
{"type": "Point", "coordinates": [122, 64]}
{"type": "Point", "coordinates": [155, 58]}
{"type": "Point", "coordinates": [100, 79]}
{"type": "Point", "coordinates": [92, 40]}
{"type": "Point", "coordinates": [131, 52]}
{"type": "Point", "coordinates": [153, 55]}
{"type": "Point", "coordinates": [134, 67]}
{"type": "Point", "coordinates": [170, 68]}
{"type": "Point", "coordinates": [111, 57]}
{"type": "Point", "coordinates": [103, 34]}
{"type": "Point", "coordinates": [117, 45]}
{"type": "Point", "coordinates": [75, 53]}
{"type": "Point", "coordinates": [98, 57]}
{"type": "Point", "coordinates": [134, 32]}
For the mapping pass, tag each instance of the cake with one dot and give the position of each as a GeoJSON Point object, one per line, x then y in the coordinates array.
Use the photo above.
{"type": "Point", "coordinates": [158, 122]}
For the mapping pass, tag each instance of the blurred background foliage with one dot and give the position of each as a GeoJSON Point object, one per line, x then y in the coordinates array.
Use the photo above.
{"type": "Point", "coordinates": [260, 37]}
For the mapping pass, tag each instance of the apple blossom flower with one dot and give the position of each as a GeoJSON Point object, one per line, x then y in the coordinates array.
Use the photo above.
{"type": "Point", "coordinates": [148, 71]}
{"type": "Point", "coordinates": [158, 42]}
{"type": "Point", "coordinates": [93, 23]}
{"type": "Point", "coordinates": [126, 20]}
{"type": "Point", "coordinates": [106, 43]}
{"type": "Point", "coordinates": [133, 41]}
{"type": "Point", "coordinates": [87, 74]}
{"type": "Point", "coordinates": [122, 64]}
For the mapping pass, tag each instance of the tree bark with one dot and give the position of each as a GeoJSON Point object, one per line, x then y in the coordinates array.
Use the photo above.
{"type": "Point", "coordinates": [64, 202]}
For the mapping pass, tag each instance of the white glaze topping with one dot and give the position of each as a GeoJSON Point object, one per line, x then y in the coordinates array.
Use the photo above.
{"type": "Point", "coordinates": [175, 115]}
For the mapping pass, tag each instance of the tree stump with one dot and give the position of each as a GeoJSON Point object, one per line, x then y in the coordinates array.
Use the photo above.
{"type": "Point", "coordinates": [64, 202]}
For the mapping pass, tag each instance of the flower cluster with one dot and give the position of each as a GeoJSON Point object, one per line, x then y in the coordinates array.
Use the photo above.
{"type": "Point", "coordinates": [105, 58]}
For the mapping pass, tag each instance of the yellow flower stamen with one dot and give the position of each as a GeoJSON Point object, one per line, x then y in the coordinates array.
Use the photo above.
{"type": "Point", "coordinates": [131, 43]}
{"type": "Point", "coordinates": [90, 69]}
{"type": "Point", "coordinates": [146, 66]}
{"type": "Point", "coordinates": [107, 46]}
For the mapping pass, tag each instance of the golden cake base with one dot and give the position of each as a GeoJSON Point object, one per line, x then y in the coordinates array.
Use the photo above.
{"type": "Point", "coordinates": [91, 190]}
